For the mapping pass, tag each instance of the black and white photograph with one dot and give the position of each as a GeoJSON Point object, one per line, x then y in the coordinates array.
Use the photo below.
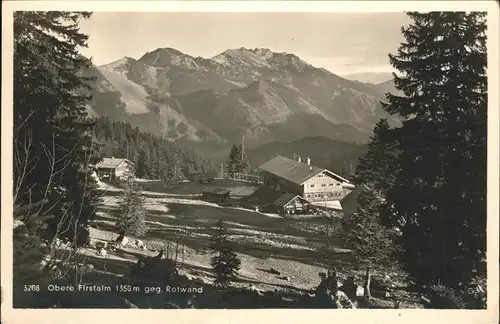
{"type": "Point", "coordinates": [232, 160]}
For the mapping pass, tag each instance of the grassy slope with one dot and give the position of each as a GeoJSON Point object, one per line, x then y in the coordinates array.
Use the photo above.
{"type": "Point", "coordinates": [262, 241]}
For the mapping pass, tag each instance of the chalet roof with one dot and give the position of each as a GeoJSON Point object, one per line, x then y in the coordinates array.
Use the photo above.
{"type": "Point", "coordinates": [262, 197]}
{"type": "Point", "coordinates": [217, 191]}
{"type": "Point", "coordinates": [284, 199]}
{"type": "Point", "coordinates": [294, 171]}
{"type": "Point", "coordinates": [111, 163]}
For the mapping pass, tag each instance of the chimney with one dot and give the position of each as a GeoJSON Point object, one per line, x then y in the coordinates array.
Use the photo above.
{"type": "Point", "coordinates": [308, 161]}
{"type": "Point", "coordinates": [299, 159]}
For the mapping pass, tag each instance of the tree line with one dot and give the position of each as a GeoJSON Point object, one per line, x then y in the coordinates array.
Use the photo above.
{"type": "Point", "coordinates": [153, 156]}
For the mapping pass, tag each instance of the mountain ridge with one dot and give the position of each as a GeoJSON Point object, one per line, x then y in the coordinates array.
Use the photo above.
{"type": "Point", "coordinates": [258, 92]}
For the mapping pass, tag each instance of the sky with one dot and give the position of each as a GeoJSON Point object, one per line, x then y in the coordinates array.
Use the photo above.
{"type": "Point", "coordinates": [343, 43]}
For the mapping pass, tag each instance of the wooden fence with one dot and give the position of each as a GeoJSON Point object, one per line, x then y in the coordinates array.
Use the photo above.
{"type": "Point", "coordinates": [244, 177]}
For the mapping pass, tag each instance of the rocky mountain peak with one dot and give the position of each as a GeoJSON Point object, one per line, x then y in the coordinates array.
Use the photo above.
{"type": "Point", "coordinates": [165, 57]}
{"type": "Point", "coordinates": [241, 56]}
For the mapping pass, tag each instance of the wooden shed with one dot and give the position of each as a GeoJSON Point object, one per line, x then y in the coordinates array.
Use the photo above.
{"type": "Point", "coordinates": [113, 169]}
{"type": "Point", "coordinates": [217, 195]}
{"type": "Point", "coordinates": [289, 203]}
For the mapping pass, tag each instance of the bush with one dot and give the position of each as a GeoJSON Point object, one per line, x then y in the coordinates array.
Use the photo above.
{"type": "Point", "coordinates": [442, 297]}
{"type": "Point", "coordinates": [131, 216]}
{"type": "Point", "coordinates": [225, 262]}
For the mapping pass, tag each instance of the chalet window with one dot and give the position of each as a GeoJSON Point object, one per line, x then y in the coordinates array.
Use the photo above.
{"type": "Point", "coordinates": [331, 184]}
{"type": "Point", "coordinates": [323, 185]}
{"type": "Point", "coordinates": [339, 184]}
{"type": "Point", "coordinates": [312, 186]}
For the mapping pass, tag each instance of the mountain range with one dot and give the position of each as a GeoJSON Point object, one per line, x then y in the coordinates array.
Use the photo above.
{"type": "Point", "coordinates": [369, 77]}
{"type": "Point", "coordinates": [208, 104]}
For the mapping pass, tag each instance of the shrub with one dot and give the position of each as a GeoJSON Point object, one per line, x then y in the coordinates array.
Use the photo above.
{"type": "Point", "coordinates": [131, 216]}
{"type": "Point", "coordinates": [225, 262]}
{"type": "Point", "coordinates": [442, 297]}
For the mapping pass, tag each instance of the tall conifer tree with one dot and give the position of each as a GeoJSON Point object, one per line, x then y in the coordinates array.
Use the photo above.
{"type": "Point", "coordinates": [373, 243]}
{"type": "Point", "coordinates": [439, 195]}
{"type": "Point", "coordinates": [225, 262]}
{"type": "Point", "coordinates": [52, 135]}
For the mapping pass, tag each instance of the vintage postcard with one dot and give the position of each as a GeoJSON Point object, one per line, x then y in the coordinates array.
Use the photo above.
{"type": "Point", "coordinates": [250, 161]}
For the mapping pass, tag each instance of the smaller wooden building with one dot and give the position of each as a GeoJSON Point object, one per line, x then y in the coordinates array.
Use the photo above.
{"type": "Point", "coordinates": [268, 200]}
{"type": "Point", "coordinates": [113, 169]}
{"type": "Point", "coordinates": [217, 195]}
{"type": "Point", "coordinates": [289, 203]}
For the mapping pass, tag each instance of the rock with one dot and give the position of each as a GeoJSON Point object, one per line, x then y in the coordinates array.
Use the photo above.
{"type": "Point", "coordinates": [45, 261]}
{"type": "Point", "coordinates": [122, 240]}
{"type": "Point", "coordinates": [360, 291]}
{"type": "Point", "coordinates": [183, 272]}
{"type": "Point", "coordinates": [343, 301]}
{"type": "Point", "coordinates": [18, 223]}
{"type": "Point", "coordinates": [100, 245]}
{"type": "Point", "coordinates": [252, 287]}
{"type": "Point", "coordinates": [425, 299]}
